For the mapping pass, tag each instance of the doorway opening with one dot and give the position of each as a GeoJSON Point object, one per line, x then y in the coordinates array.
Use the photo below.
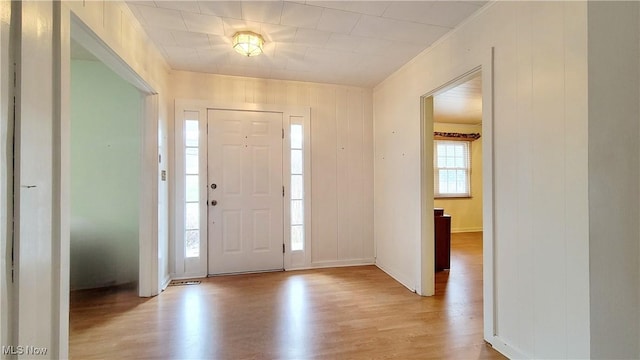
{"type": "Point", "coordinates": [457, 127]}
{"type": "Point", "coordinates": [457, 180]}
{"type": "Point", "coordinates": [143, 148]}
{"type": "Point", "coordinates": [105, 175]}
{"type": "Point", "coordinates": [457, 147]}
{"type": "Point", "coordinates": [111, 169]}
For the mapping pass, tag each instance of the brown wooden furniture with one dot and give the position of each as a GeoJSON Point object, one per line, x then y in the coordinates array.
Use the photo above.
{"type": "Point", "coordinates": [442, 239]}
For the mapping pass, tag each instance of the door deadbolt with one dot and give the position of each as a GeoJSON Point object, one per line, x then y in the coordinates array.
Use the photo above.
{"type": "Point", "coordinates": [214, 186]}
{"type": "Point", "coordinates": [214, 202]}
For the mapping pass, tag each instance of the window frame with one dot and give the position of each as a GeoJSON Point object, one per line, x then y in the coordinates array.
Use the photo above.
{"type": "Point", "coordinates": [186, 174]}
{"type": "Point", "coordinates": [436, 170]}
{"type": "Point", "coordinates": [182, 266]}
{"type": "Point", "coordinates": [298, 259]}
{"type": "Point", "coordinates": [295, 199]}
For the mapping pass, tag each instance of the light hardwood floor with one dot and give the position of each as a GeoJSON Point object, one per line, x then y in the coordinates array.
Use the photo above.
{"type": "Point", "coordinates": [342, 313]}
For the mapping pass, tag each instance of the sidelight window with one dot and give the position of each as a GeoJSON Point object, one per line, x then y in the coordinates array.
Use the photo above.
{"type": "Point", "coordinates": [297, 187]}
{"type": "Point", "coordinates": [192, 186]}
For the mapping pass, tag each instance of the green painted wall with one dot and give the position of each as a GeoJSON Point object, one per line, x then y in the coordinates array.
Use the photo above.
{"type": "Point", "coordinates": [105, 175]}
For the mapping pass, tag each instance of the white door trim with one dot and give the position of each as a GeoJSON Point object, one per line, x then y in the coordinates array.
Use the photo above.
{"type": "Point", "coordinates": [426, 284]}
{"type": "Point", "coordinates": [6, 177]}
{"type": "Point", "coordinates": [301, 114]}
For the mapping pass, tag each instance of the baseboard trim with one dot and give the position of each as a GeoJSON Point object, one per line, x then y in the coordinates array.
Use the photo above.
{"type": "Point", "coordinates": [111, 285]}
{"type": "Point", "coordinates": [505, 349]}
{"type": "Point", "coordinates": [333, 264]}
{"type": "Point", "coordinates": [165, 283]}
{"type": "Point", "coordinates": [186, 276]}
{"type": "Point", "coordinates": [466, 230]}
{"type": "Point", "coordinates": [396, 277]}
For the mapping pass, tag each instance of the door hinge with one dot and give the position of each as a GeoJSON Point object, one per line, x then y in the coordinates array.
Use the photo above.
{"type": "Point", "coordinates": [283, 248]}
{"type": "Point", "coordinates": [282, 190]}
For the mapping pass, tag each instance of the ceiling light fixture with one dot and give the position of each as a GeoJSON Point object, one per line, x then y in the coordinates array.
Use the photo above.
{"type": "Point", "coordinates": [248, 43]}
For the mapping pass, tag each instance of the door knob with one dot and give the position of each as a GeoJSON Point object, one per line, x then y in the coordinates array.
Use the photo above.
{"type": "Point", "coordinates": [214, 202]}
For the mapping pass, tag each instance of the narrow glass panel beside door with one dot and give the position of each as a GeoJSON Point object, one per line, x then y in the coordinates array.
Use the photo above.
{"type": "Point", "coordinates": [192, 189]}
{"type": "Point", "coordinates": [297, 188]}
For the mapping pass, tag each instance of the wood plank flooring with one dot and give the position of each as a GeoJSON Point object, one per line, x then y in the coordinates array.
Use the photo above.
{"type": "Point", "coordinates": [341, 313]}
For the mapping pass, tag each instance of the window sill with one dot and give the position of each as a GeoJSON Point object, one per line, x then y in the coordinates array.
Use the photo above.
{"type": "Point", "coordinates": [452, 197]}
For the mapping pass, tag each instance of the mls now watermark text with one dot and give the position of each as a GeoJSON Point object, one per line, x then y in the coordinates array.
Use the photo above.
{"type": "Point", "coordinates": [24, 350]}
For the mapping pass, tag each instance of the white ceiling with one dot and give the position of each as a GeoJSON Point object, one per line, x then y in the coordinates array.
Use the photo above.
{"type": "Point", "coordinates": [461, 104]}
{"type": "Point", "coordinates": [341, 42]}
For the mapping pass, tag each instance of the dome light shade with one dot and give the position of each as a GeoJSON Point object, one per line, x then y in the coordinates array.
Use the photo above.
{"type": "Point", "coordinates": [248, 43]}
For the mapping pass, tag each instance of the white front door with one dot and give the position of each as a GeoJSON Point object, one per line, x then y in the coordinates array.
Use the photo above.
{"type": "Point", "coordinates": [245, 188]}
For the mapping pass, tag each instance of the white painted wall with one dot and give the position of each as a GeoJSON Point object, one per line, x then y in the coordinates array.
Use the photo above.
{"type": "Point", "coordinates": [113, 23]}
{"type": "Point", "coordinates": [614, 175]}
{"type": "Point", "coordinates": [34, 179]}
{"type": "Point", "coordinates": [6, 177]}
{"type": "Point", "coordinates": [341, 155]}
{"type": "Point", "coordinates": [540, 169]}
